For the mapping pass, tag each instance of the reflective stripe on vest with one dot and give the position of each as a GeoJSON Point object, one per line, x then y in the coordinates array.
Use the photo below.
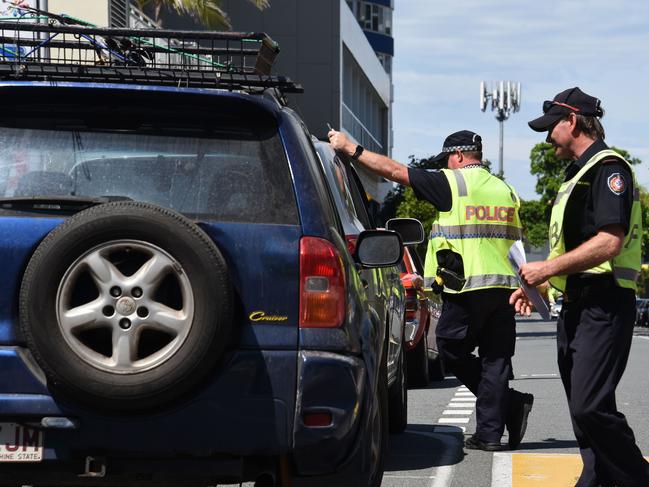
{"type": "Point", "coordinates": [491, 280]}
{"type": "Point", "coordinates": [476, 230]}
{"type": "Point", "coordinates": [625, 267]}
{"type": "Point", "coordinates": [481, 226]}
{"type": "Point", "coordinates": [626, 273]}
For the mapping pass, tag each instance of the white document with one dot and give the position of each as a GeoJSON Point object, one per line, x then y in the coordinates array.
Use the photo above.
{"type": "Point", "coordinates": [517, 258]}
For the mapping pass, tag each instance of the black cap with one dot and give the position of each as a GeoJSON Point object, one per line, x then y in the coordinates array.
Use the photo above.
{"type": "Point", "coordinates": [570, 100]}
{"type": "Point", "coordinates": [464, 140]}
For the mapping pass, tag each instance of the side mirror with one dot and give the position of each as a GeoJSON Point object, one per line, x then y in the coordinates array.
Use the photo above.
{"type": "Point", "coordinates": [410, 229]}
{"type": "Point", "coordinates": [378, 248]}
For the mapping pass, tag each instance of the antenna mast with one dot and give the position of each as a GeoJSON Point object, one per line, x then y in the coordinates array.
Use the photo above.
{"type": "Point", "coordinates": [505, 99]}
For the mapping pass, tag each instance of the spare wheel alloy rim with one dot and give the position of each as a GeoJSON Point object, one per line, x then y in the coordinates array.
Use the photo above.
{"type": "Point", "coordinates": [139, 314]}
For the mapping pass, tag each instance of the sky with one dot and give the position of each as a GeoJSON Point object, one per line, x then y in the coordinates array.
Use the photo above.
{"type": "Point", "coordinates": [443, 49]}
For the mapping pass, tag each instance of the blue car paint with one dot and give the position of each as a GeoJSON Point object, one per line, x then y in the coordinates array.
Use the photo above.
{"type": "Point", "coordinates": [18, 239]}
{"type": "Point", "coordinates": [255, 390]}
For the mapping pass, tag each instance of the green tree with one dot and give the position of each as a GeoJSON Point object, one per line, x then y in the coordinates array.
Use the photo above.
{"type": "Point", "coordinates": [413, 207]}
{"type": "Point", "coordinates": [535, 221]}
{"type": "Point", "coordinates": [207, 12]}
{"type": "Point", "coordinates": [644, 202]}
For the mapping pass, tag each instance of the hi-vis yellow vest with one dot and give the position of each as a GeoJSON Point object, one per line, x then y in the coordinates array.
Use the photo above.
{"type": "Point", "coordinates": [626, 266]}
{"type": "Point", "coordinates": [481, 226]}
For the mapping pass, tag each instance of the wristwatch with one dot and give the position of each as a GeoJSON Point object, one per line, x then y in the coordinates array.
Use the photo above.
{"type": "Point", "coordinates": [357, 153]}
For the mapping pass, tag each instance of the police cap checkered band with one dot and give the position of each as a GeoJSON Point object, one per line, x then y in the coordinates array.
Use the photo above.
{"type": "Point", "coordinates": [464, 140]}
{"type": "Point", "coordinates": [462, 148]}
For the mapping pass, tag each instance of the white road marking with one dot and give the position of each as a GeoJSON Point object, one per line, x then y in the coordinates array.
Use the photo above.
{"type": "Point", "coordinates": [464, 394]}
{"type": "Point", "coordinates": [501, 470]}
{"type": "Point", "coordinates": [463, 399]}
{"type": "Point", "coordinates": [453, 420]}
{"type": "Point", "coordinates": [523, 376]}
{"type": "Point", "coordinates": [392, 476]}
{"type": "Point", "coordinates": [642, 337]}
{"type": "Point", "coordinates": [459, 412]}
{"type": "Point", "coordinates": [461, 405]}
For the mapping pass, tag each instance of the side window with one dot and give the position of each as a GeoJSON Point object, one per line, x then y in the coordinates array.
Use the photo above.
{"type": "Point", "coordinates": [359, 197]}
{"type": "Point", "coordinates": [338, 185]}
{"type": "Point", "coordinates": [324, 190]}
{"type": "Point", "coordinates": [343, 187]}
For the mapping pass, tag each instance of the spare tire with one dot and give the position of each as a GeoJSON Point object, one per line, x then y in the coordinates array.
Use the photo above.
{"type": "Point", "coordinates": [126, 306]}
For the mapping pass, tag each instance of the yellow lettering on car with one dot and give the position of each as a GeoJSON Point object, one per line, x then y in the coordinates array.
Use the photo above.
{"type": "Point", "coordinates": [262, 316]}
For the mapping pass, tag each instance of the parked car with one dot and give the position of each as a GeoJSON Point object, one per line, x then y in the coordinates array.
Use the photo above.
{"type": "Point", "coordinates": [182, 302]}
{"type": "Point", "coordinates": [642, 312]}
{"type": "Point", "coordinates": [385, 291]}
{"type": "Point", "coordinates": [422, 314]}
{"type": "Point", "coordinates": [423, 309]}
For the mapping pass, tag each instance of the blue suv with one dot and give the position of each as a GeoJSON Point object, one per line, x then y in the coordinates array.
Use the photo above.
{"type": "Point", "coordinates": [180, 302]}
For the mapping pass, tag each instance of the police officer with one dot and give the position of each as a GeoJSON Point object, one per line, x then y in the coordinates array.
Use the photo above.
{"type": "Point", "coordinates": [594, 260]}
{"type": "Point", "coordinates": [477, 222]}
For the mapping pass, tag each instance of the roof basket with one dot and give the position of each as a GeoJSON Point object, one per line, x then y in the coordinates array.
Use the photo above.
{"type": "Point", "coordinates": [57, 50]}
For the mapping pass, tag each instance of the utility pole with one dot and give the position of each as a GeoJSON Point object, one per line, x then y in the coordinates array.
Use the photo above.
{"type": "Point", "coordinates": [505, 99]}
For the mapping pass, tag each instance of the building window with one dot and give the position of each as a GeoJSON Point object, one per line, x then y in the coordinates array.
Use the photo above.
{"type": "Point", "coordinates": [372, 17]}
{"type": "Point", "coordinates": [386, 61]}
{"type": "Point", "coordinates": [118, 13]}
{"type": "Point", "coordinates": [364, 114]}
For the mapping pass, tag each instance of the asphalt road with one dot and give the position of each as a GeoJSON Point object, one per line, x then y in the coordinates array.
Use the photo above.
{"type": "Point", "coordinates": [430, 453]}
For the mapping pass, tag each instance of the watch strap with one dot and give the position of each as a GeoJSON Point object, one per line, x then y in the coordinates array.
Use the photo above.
{"type": "Point", "coordinates": [357, 153]}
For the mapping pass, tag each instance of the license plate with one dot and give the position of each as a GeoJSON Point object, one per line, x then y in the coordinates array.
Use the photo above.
{"type": "Point", "coordinates": [19, 443]}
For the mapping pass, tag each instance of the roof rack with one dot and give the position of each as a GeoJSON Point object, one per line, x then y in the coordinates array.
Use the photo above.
{"type": "Point", "coordinates": [66, 49]}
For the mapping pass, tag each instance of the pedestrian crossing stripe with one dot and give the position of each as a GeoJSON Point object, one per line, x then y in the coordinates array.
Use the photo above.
{"type": "Point", "coordinates": [535, 470]}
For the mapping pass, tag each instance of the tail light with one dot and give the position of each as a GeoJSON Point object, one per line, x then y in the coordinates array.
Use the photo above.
{"type": "Point", "coordinates": [322, 284]}
{"type": "Point", "coordinates": [412, 303]}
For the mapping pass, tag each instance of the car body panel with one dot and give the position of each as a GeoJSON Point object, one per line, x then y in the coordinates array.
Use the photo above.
{"type": "Point", "coordinates": [272, 370]}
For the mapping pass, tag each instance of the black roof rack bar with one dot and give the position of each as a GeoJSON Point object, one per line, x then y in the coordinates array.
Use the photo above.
{"type": "Point", "coordinates": [161, 77]}
{"type": "Point", "coordinates": [68, 52]}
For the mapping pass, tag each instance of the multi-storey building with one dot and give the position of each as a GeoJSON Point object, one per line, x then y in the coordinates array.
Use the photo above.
{"type": "Point", "coordinates": [375, 18]}
{"type": "Point", "coordinates": [344, 69]}
{"type": "Point", "coordinates": [324, 48]}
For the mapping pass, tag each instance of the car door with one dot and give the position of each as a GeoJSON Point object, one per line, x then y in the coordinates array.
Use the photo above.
{"type": "Point", "coordinates": [391, 291]}
{"type": "Point", "coordinates": [383, 286]}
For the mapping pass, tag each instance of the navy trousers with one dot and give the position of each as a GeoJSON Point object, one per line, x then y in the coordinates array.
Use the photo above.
{"type": "Point", "coordinates": [482, 319]}
{"type": "Point", "coordinates": [594, 335]}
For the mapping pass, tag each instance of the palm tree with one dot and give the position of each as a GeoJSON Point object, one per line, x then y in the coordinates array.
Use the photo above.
{"type": "Point", "coordinates": [207, 12]}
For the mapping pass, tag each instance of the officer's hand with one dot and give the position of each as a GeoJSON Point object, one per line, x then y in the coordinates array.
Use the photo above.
{"type": "Point", "coordinates": [339, 141]}
{"type": "Point", "coordinates": [521, 303]}
{"type": "Point", "coordinates": [534, 273]}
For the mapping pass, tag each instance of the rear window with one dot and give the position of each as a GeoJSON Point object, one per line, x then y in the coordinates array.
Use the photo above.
{"type": "Point", "coordinates": [202, 164]}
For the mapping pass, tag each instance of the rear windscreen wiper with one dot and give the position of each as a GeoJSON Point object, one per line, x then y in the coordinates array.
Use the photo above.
{"type": "Point", "coordinates": [56, 203]}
